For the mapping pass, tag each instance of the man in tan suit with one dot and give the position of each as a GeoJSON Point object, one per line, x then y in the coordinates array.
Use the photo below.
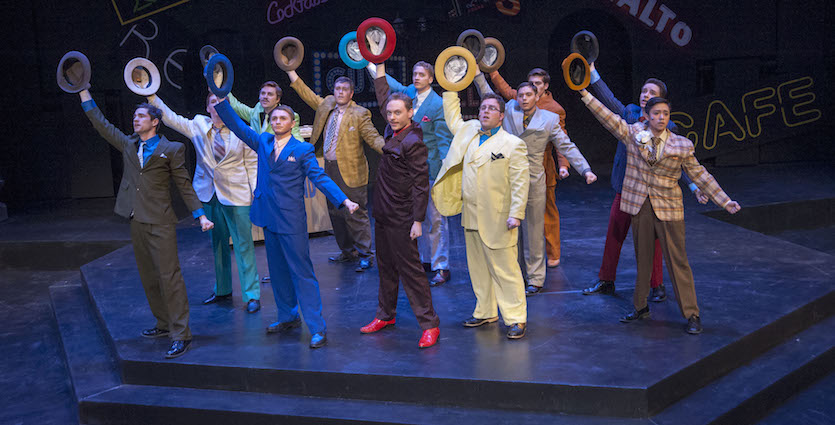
{"type": "Point", "coordinates": [341, 123]}
{"type": "Point", "coordinates": [651, 194]}
{"type": "Point", "coordinates": [485, 178]}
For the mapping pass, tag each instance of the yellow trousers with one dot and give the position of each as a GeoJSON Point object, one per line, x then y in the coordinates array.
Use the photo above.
{"type": "Point", "coordinates": [497, 280]}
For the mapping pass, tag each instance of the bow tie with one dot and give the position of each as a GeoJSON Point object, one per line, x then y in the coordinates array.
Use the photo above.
{"type": "Point", "coordinates": [487, 133]}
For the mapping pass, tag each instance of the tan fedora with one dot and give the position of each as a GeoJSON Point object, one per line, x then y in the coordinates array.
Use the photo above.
{"type": "Point", "coordinates": [455, 68]}
{"type": "Point", "coordinates": [142, 77]}
{"type": "Point", "coordinates": [74, 72]}
{"type": "Point", "coordinates": [288, 53]}
{"type": "Point", "coordinates": [576, 71]}
{"type": "Point", "coordinates": [494, 55]}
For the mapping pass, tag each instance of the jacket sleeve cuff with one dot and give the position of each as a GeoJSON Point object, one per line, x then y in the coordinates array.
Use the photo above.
{"type": "Point", "coordinates": [88, 105]}
{"type": "Point", "coordinates": [595, 77]}
{"type": "Point", "coordinates": [693, 187]}
{"type": "Point", "coordinates": [197, 213]}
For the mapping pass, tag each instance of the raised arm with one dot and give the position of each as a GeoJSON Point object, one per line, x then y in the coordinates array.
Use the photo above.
{"type": "Point", "coordinates": [452, 112]}
{"type": "Point", "coordinates": [394, 85]}
{"type": "Point", "coordinates": [246, 134]}
{"type": "Point", "coordinates": [502, 87]}
{"type": "Point", "coordinates": [106, 130]}
{"type": "Point", "coordinates": [601, 91]}
{"type": "Point", "coordinates": [179, 123]}
{"type": "Point", "coordinates": [481, 84]}
{"type": "Point", "coordinates": [243, 111]}
{"type": "Point", "coordinates": [382, 88]}
{"type": "Point", "coordinates": [612, 122]}
{"type": "Point", "coordinates": [311, 99]}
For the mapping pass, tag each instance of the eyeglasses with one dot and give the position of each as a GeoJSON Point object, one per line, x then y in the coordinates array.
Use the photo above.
{"type": "Point", "coordinates": [490, 108]}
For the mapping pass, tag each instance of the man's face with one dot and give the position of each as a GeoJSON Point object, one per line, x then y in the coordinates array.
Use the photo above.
{"type": "Point", "coordinates": [421, 78]}
{"type": "Point", "coordinates": [281, 122]}
{"type": "Point", "coordinates": [489, 114]}
{"type": "Point", "coordinates": [538, 81]}
{"type": "Point", "coordinates": [343, 93]}
{"type": "Point", "coordinates": [397, 115]}
{"type": "Point", "coordinates": [659, 117]}
{"type": "Point", "coordinates": [526, 98]}
{"type": "Point", "coordinates": [142, 122]}
{"type": "Point", "coordinates": [268, 98]}
{"type": "Point", "coordinates": [648, 91]}
{"type": "Point", "coordinates": [210, 107]}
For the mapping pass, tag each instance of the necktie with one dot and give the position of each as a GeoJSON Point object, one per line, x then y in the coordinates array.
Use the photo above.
{"type": "Point", "coordinates": [330, 135]}
{"type": "Point", "coordinates": [141, 153]}
{"type": "Point", "coordinates": [653, 155]}
{"type": "Point", "coordinates": [218, 145]}
{"type": "Point", "coordinates": [526, 122]}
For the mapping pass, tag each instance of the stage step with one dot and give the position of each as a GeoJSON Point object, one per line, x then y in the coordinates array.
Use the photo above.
{"type": "Point", "coordinates": [747, 393]}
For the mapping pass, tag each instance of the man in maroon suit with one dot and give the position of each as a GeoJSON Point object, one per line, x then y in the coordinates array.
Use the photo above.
{"type": "Point", "coordinates": [400, 199]}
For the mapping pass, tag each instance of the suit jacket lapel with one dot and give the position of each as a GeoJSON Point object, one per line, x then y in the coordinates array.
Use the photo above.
{"type": "Point", "coordinates": [161, 146]}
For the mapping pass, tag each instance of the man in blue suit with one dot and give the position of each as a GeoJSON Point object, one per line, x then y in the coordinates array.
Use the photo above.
{"type": "Point", "coordinates": [429, 112]}
{"type": "Point", "coordinates": [283, 164]}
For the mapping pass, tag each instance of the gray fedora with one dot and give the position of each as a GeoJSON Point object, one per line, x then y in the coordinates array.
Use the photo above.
{"type": "Point", "coordinates": [74, 72]}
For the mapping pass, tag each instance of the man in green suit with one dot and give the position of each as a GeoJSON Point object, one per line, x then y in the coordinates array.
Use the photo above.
{"type": "Point", "coordinates": [269, 96]}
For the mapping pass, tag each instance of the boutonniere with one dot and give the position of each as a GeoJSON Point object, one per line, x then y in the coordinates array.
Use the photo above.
{"type": "Point", "coordinates": [643, 137]}
{"type": "Point", "coordinates": [425, 119]}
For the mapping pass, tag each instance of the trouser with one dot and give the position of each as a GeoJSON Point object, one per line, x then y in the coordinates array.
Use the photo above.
{"type": "Point", "coordinates": [294, 283]}
{"type": "Point", "coordinates": [496, 279]}
{"type": "Point", "coordinates": [155, 249]}
{"type": "Point", "coordinates": [233, 221]}
{"type": "Point", "coordinates": [619, 222]}
{"type": "Point", "coordinates": [398, 260]}
{"type": "Point", "coordinates": [434, 244]}
{"type": "Point", "coordinates": [646, 227]}
{"type": "Point", "coordinates": [531, 233]}
{"type": "Point", "coordinates": [552, 214]}
{"type": "Point", "coordinates": [351, 231]}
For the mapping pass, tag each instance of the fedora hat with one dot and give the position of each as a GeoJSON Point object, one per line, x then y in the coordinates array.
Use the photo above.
{"type": "Point", "coordinates": [473, 41]}
{"type": "Point", "coordinates": [493, 55]}
{"type": "Point", "coordinates": [221, 61]}
{"type": "Point", "coordinates": [576, 71]}
{"type": "Point", "coordinates": [142, 77]}
{"type": "Point", "coordinates": [585, 43]}
{"type": "Point", "coordinates": [73, 72]}
{"type": "Point", "coordinates": [349, 51]}
{"type": "Point", "coordinates": [455, 68]}
{"type": "Point", "coordinates": [288, 53]}
{"type": "Point", "coordinates": [376, 26]}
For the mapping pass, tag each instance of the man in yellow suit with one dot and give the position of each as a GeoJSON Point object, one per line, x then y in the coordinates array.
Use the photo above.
{"type": "Point", "coordinates": [485, 178]}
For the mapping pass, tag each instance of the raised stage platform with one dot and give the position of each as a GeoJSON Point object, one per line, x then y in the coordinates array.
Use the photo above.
{"type": "Point", "coordinates": [766, 304]}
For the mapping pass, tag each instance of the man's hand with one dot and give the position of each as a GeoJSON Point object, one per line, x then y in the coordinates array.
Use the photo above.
{"type": "Point", "coordinates": [700, 196]}
{"type": "Point", "coordinates": [591, 67]}
{"type": "Point", "coordinates": [590, 177]}
{"type": "Point", "coordinates": [85, 95]}
{"type": "Point", "coordinates": [563, 172]}
{"type": "Point", "coordinates": [732, 207]}
{"type": "Point", "coordinates": [513, 223]}
{"type": "Point", "coordinates": [205, 224]}
{"type": "Point", "coordinates": [417, 230]}
{"type": "Point", "coordinates": [352, 206]}
{"type": "Point", "coordinates": [583, 92]}
{"type": "Point", "coordinates": [293, 76]}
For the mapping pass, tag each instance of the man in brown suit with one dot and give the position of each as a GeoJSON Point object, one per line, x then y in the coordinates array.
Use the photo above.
{"type": "Point", "coordinates": [651, 194]}
{"type": "Point", "coordinates": [341, 123]}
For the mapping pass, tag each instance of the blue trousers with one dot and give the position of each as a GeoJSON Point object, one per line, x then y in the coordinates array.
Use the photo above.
{"type": "Point", "coordinates": [233, 221]}
{"type": "Point", "coordinates": [294, 283]}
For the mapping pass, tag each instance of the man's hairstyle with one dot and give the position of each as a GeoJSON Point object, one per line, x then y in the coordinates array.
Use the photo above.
{"type": "Point", "coordinates": [153, 111]}
{"type": "Point", "coordinates": [284, 108]}
{"type": "Point", "coordinates": [655, 101]}
{"type": "Point", "coordinates": [658, 83]}
{"type": "Point", "coordinates": [427, 67]}
{"type": "Point", "coordinates": [493, 96]}
{"type": "Point", "coordinates": [526, 84]}
{"type": "Point", "coordinates": [402, 97]}
{"type": "Point", "coordinates": [273, 84]}
{"type": "Point", "coordinates": [209, 97]}
{"type": "Point", "coordinates": [539, 72]}
{"type": "Point", "coordinates": [344, 79]}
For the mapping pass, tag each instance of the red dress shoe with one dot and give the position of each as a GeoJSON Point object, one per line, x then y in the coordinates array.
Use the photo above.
{"type": "Point", "coordinates": [429, 337]}
{"type": "Point", "coordinates": [376, 325]}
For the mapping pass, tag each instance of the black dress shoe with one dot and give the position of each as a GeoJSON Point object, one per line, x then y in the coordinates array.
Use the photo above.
{"type": "Point", "coordinates": [532, 290]}
{"type": "Point", "coordinates": [265, 279]}
{"type": "Point", "coordinates": [636, 315]}
{"type": "Point", "coordinates": [364, 265]}
{"type": "Point", "coordinates": [473, 322]}
{"type": "Point", "coordinates": [517, 330]}
{"type": "Point", "coordinates": [343, 258]}
{"type": "Point", "coordinates": [284, 326]}
{"type": "Point", "coordinates": [155, 333]}
{"type": "Point", "coordinates": [217, 298]}
{"type": "Point", "coordinates": [178, 348]}
{"type": "Point", "coordinates": [253, 305]}
{"type": "Point", "coordinates": [441, 277]}
{"type": "Point", "coordinates": [658, 294]}
{"type": "Point", "coordinates": [318, 340]}
{"type": "Point", "coordinates": [601, 287]}
{"type": "Point", "coordinates": [694, 325]}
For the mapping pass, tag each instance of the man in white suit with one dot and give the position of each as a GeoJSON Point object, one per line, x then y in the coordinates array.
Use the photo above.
{"type": "Point", "coordinates": [224, 180]}
{"type": "Point", "coordinates": [485, 178]}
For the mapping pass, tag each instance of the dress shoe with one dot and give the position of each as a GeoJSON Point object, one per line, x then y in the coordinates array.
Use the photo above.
{"type": "Point", "coordinates": [364, 265]}
{"type": "Point", "coordinates": [343, 258]}
{"type": "Point", "coordinates": [217, 298]}
{"type": "Point", "coordinates": [429, 337]}
{"type": "Point", "coordinates": [473, 322]}
{"type": "Point", "coordinates": [178, 348]}
{"type": "Point", "coordinates": [553, 263]}
{"type": "Point", "coordinates": [636, 315]}
{"type": "Point", "coordinates": [441, 277]}
{"type": "Point", "coordinates": [601, 287]}
{"type": "Point", "coordinates": [284, 326]}
{"type": "Point", "coordinates": [253, 305]}
{"type": "Point", "coordinates": [265, 279]}
{"type": "Point", "coordinates": [694, 325]}
{"type": "Point", "coordinates": [318, 340]}
{"type": "Point", "coordinates": [658, 294]}
{"type": "Point", "coordinates": [516, 331]}
{"type": "Point", "coordinates": [532, 290]}
{"type": "Point", "coordinates": [376, 325]}
{"type": "Point", "coordinates": [155, 333]}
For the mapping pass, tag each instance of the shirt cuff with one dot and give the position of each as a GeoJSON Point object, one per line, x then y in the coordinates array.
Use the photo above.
{"type": "Point", "coordinates": [585, 171]}
{"type": "Point", "coordinates": [88, 105]}
{"type": "Point", "coordinates": [586, 98]}
{"type": "Point", "coordinates": [197, 213]}
{"type": "Point", "coordinates": [595, 77]}
{"type": "Point", "coordinates": [693, 187]}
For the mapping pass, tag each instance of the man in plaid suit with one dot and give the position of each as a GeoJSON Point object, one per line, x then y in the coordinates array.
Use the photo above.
{"type": "Point", "coordinates": [651, 194]}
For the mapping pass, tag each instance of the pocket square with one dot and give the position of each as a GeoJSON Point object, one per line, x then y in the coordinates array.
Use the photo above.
{"type": "Point", "coordinates": [162, 155]}
{"type": "Point", "coordinates": [291, 159]}
{"type": "Point", "coordinates": [425, 119]}
{"type": "Point", "coordinates": [494, 156]}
